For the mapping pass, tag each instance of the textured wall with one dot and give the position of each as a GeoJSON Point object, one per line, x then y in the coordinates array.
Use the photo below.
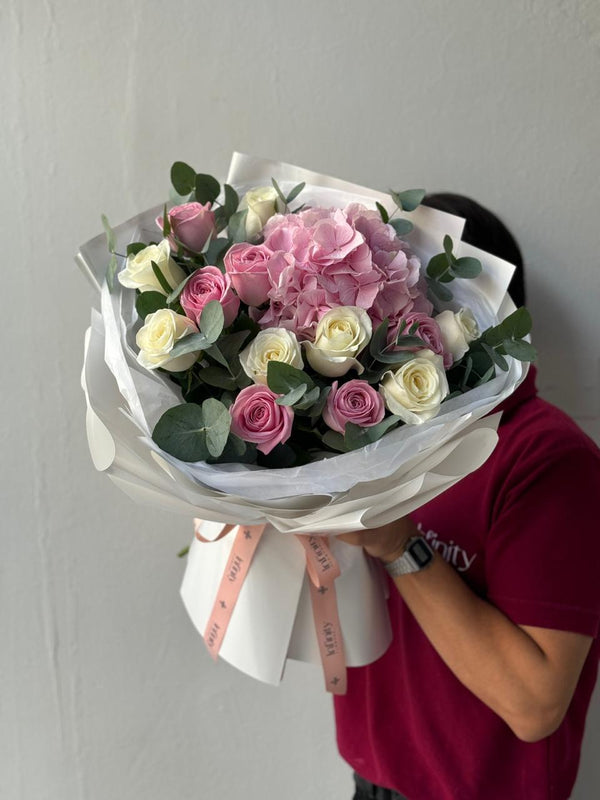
{"type": "Point", "coordinates": [106, 690]}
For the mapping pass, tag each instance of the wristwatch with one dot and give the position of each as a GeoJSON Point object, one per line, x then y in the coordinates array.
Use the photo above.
{"type": "Point", "coordinates": [416, 556]}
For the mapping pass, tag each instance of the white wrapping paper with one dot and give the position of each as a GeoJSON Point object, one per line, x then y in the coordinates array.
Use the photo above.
{"type": "Point", "coordinates": [272, 620]}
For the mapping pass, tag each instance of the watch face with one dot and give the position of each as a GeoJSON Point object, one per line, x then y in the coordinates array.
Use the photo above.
{"type": "Point", "coordinates": [421, 552]}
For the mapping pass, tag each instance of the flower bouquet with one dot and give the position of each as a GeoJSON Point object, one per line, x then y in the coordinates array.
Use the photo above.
{"type": "Point", "coordinates": [310, 359]}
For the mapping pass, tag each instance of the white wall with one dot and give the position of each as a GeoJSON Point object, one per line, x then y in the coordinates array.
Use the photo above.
{"type": "Point", "coordinates": [106, 691]}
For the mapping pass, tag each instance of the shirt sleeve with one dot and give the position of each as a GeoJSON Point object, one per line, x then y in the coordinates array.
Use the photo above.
{"type": "Point", "coordinates": [542, 556]}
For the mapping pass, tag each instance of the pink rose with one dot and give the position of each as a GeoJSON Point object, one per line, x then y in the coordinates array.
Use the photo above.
{"type": "Point", "coordinates": [206, 284]}
{"type": "Point", "coordinates": [246, 265]}
{"type": "Point", "coordinates": [428, 330]}
{"type": "Point", "coordinates": [256, 417]}
{"type": "Point", "coordinates": [191, 224]}
{"type": "Point", "coordinates": [355, 401]}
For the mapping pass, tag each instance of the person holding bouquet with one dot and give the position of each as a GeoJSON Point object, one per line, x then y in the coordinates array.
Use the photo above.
{"type": "Point", "coordinates": [495, 608]}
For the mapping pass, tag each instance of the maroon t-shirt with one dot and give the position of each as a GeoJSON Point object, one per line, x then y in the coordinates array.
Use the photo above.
{"type": "Point", "coordinates": [523, 531]}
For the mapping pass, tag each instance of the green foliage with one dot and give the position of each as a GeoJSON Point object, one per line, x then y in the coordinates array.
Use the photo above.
{"type": "Point", "coordinates": [216, 250]}
{"type": "Point", "coordinates": [111, 272]}
{"type": "Point", "coordinates": [166, 286]}
{"type": "Point", "coordinates": [172, 296]}
{"type": "Point", "coordinates": [409, 199]}
{"type": "Point", "coordinates": [110, 234]}
{"type": "Point", "coordinates": [237, 226]}
{"type": "Point", "coordinates": [288, 381]}
{"type": "Point", "coordinates": [401, 226]}
{"type": "Point", "coordinates": [183, 178]}
{"type": "Point", "coordinates": [206, 188]}
{"type": "Point", "coordinates": [166, 222]}
{"type": "Point", "coordinates": [294, 192]}
{"type": "Point", "coordinates": [212, 321]}
{"type": "Point", "coordinates": [192, 432]}
{"type": "Point", "coordinates": [280, 194]}
{"type": "Point", "coordinates": [383, 212]}
{"type": "Point", "coordinates": [149, 302]}
{"type": "Point", "coordinates": [356, 436]}
{"type": "Point", "coordinates": [445, 267]}
{"type": "Point", "coordinates": [135, 247]}
{"type": "Point", "coordinates": [113, 264]}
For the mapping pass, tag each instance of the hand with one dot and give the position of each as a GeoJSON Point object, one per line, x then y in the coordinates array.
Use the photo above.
{"type": "Point", "coordinates": [386, 542]}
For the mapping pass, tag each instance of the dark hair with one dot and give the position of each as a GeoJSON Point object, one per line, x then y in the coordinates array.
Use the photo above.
{"type": "Point", "coordinates": [484, 230]}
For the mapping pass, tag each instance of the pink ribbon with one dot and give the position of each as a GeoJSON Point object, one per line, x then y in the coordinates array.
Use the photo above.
{"type": "Point", "coordinates": [244, 546]}
{"type": "Point", "coordinates": [322, 569]}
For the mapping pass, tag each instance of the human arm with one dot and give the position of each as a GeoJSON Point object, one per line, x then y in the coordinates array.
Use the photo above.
{"type": "Point", "coordinates": [526, 674]}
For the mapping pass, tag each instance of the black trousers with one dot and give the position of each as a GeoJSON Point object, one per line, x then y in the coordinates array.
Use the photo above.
{"type": "Point", "coordinates": [365, 790]}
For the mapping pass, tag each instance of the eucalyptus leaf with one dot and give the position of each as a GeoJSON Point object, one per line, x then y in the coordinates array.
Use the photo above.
{"type": "Point", "coordinates": [398, 357]}
{"type": "Point", "coordinates": [356, 436]}
{"type": "Point", "coordinates": [521, 322]}
{"type": "Point", "coordinates": [236, 451]}
{"type": "Point", "coordinates": [110, 234]}
{"type": "Point", "coordinates": [467, 267]}
{"type": "Point", "coordinates": [282, 378]}
{"type": "Point", "coordinates": [183, 178]}
{"type": "Point", "coordinates": [294, 193]}
{"type": "Point", "coordinates": [149, 302]}
{"type": "Point", "coordinates": [279, 192]}
{"type": "Point", "coordinates": [230, 344]}
{"type": "Point", "coordinates": [166, 222]}
{"type": "Point", "coordinates": [309, 399]}
{"type": "Point", "coordinates": [192, 343]}
{"type": "Point", "coordinates": [383, 212]}
{"type": "Point", "coordinates": [214, 352]}
{"type": "Point", "coordinates": [232, 200]}
{"type": "Point", "coordinates": [292, 396]}
{"type": "Point", "coordinates": [111, 272]}
{"type": "Point", "coordinates": [206, 188]}
{"type": "Point", "coordinates": [237, 226]}
{"type": "Point", "coordinates": [378, 341]}
{"type": "Point", "coordinates": [134, 248]}
{"type": "Point", "coordinates": [181, 433]}
{"type": "Point", "coordinates": [519, 349]}
{"type": "Point", "coordinates": [410, 341]}
{"type": "Point", "coordinates": [161, 278]}
{"type": "Point", "coordinates": [487, 376]}
{"type": "Point", "coordinates": [177, 291]}
{"type": "Point", "coordinates": [212, 321]}
{"type": "Point", "coordinates": [401, 226]}
{"type": "Point", "coordinates": [217, 421]}
{"type": "Point", "coordinates": [409, 199]}
{"type": "Point", "coordinates": [437, 265]}
{"type": "Point", "coordinates": [215, 250]}
{"type": "Point", "coordinates": [496, 357]}
{"type": "Point", "coordinates": [439, 290]}
{"type": "Point", "coordinates": [335, 441]}
{"type": "Point", "coordinates": [220, 378]}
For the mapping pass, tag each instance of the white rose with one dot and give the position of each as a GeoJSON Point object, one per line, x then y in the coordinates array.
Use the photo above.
{"type": "Point", "coordinates": [138, 272]}
{"type": "Point", "coordinates": [458, 331]}
{"type": "Point", "coordinates": [342, 333]}
{"type": "Point", "coordinates": [271, 344]}
{"type": "Point", "coordinates": [261, 204]}
{"type": "Point", "coordinates": [157, 338]}
{"type": "Point", "coordinates": [415, 391]}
